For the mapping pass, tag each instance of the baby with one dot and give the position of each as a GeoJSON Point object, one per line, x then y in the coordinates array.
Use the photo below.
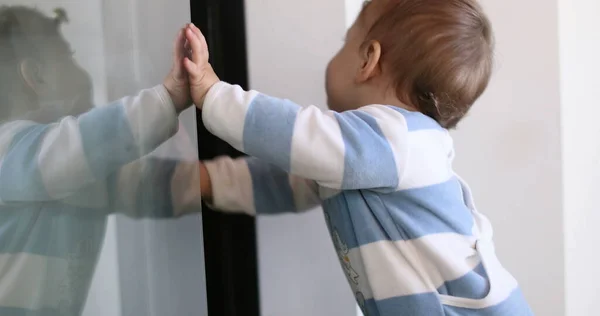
{"type": "Point", "coordinates": [405, 227]}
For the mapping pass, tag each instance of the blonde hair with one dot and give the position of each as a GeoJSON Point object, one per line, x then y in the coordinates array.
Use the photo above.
{"type": "Point", "coordinates": [439, 53]}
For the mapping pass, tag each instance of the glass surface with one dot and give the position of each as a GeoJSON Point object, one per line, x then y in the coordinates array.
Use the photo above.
{"type": "Point", "coordinates": [83, 230]}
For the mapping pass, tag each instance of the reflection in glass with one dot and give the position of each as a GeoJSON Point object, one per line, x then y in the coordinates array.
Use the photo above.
{"type": "Point", "coordinates": [65, 166]}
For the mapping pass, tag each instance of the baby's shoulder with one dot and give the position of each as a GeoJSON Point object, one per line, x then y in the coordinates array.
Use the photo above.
{"type": "Point", "coordinates": [413, 121]}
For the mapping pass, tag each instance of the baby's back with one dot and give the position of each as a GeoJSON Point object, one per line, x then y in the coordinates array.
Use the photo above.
{"type": "Point", "coordinates": [422, 247]}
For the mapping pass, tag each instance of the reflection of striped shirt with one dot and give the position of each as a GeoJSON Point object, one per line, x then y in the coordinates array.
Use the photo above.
{"type": "Point", "coordinates": [59, 181]}
{"type": "Point", "coordinates": [403, 223]}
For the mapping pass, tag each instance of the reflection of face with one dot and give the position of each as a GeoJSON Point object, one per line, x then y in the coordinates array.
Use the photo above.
{"type": "Point", "coordinates": [67, 81]}
{"type": "Point", "coordinates": [65, 88]}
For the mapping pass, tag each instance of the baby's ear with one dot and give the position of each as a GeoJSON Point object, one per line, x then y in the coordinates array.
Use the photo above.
{"type": "Point", "coordinates": [31, 72]}
{"type": "Point", "coordinates": [370, 61]}
{"type": "Point", "coordinates": [61, 16]}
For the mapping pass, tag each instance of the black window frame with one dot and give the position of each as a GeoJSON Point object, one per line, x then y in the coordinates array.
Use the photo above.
{"type": "Point", "coordinates": [230, 249]}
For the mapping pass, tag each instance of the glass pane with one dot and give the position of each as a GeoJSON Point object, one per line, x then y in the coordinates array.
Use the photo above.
{"type": "Point", "coordinates": [99, 197]}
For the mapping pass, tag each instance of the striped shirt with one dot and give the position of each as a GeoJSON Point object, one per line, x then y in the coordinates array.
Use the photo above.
{"type": "Point", "coordinates": [58, 183]}
{"type": "Point", "coordinates": [404, 225]}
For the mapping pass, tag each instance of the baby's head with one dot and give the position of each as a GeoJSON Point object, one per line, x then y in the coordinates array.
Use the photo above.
{"type": "Point", "coordinates": [39, 80]}
{"type": "Point", "coordinates": [430, 56]}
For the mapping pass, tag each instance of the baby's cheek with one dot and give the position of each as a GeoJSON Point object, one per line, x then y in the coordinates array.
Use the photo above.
{"type": "Point", "coordinates": [328, 80]}
{"type": "Point", "coordinates": [328, 71]}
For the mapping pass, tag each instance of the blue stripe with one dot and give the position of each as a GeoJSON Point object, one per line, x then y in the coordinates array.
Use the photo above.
{"type": "Point", "coordinates": [59, 230]}
{"type": "Point", "coordinates": [15, 311]}
{"type": "Point", "coordinates": [428, 304]}
{"type": "Point", "coordinates": [51, 229]}
{"type": "Point", "coordinates": [20, 175]}
{"type": "Point", "coordinates": [271, 186]}
{"type": "Point", "coordinates": [107, 138]}
{"type": "Point", "coordinates": [473, 285]}
{"type": "Point", "coordinates": [364, 217]}
{"type": "Point", "coordinates": [369, 159]}
{"type": "Point", "coordinates": [514, 305]}
{"type": "Point", "coordinates": [153, 195]}
{"type": "Point", "coordinates": [417, 121]}
{"type": "Point", "coordinates": [269, 128]}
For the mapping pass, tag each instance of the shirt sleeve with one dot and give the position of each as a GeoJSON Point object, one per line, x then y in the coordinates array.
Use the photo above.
{"type": "Point", "coordinates": [44, 162]}
{"type": "Point", "coordinates": [360, 149]}
{"type": "Point", "coordinates": [249, 185]}
{"type": "Point", "coordinates": [146, 188]}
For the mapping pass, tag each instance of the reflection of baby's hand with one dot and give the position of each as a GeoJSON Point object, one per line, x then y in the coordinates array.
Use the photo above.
{"type": "Point", "coordinates": [176, 82]}
{"type": "Point", "coordinates": [201, 73]}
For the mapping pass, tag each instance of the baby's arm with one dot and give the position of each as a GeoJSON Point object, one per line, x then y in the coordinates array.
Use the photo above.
{"type": "Point", "coordinates": [43, 162]}
{"type": "Point", "coordinates": [164, 188]}
{"type": "Point", "coordinates": [252, 186]}
{"type": "Point", "coordinates": [351, 150]}
{"type": "Point", "coordinates": [146, 188]}
{"type": "Point", "coordinates": [361, 149]}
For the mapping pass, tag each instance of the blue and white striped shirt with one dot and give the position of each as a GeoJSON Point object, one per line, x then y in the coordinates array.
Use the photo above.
{"type": "Point", "coordinates": [404, 225]}
{"type": "Point", "coordinates": [58, 183]}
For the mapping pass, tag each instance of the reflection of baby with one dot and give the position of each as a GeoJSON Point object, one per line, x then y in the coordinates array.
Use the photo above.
{"type": "Point", "coordinates": [65, 165]}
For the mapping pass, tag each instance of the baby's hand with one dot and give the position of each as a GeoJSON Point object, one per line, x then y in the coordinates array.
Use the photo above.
{"type": "Point", "coordinates": [202, 75]}
{"type": "Point", "coordinates": [177, 82]}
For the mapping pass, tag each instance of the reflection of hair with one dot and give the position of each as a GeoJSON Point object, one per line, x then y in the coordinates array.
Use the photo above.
{"type": "Point", "coordinates": [24, 33]}
{"type": "Point", "coordinates": [438, 52]}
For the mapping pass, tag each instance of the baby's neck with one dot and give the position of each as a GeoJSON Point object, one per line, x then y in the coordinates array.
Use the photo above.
{"type": "Point", "coordinates": [385, 99]}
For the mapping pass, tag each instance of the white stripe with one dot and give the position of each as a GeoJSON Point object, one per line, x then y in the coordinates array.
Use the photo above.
{"type": "Point", "coordinates": [63, 140]}
{"type": "Point", "coordinates": [94, 196]}
{"type": "Point", "coordinates": [389, 269]}
{"type": "Point", "coordinates": [502, 283]}
{"type": "Point", "coordinates": [128, 182]}
{"type": "Point", "coordinates": [31, 281]}
{"type": "Point", "coordinates": [428, 160]}
{"type": "Point", "coordinates": [1, 162]}
{"type": "Point", "coordinates": [306, 193]}
{"type": "Point", "coordinates": [151, 116]}
{"type": "Point", "coordinates": [231, 185]}
{"type": "Point", "coordinates": [318, 137]}
{"type": "Point", "coordinates": [224, 112]}
{"type": "Point", "coordinates": [482, 228]}
{"type": "Point", "coordinates": [394, 128]}
{"type": "Point", "coordinates": [8, 132]}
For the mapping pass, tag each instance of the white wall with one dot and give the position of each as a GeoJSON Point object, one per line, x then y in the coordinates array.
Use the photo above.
{"type": "Point", "coordinates": [580, 66]}
{"type": "Point", "coordinates": [289, 45]}
{"type": "Point", "coordinates": [509, 150]}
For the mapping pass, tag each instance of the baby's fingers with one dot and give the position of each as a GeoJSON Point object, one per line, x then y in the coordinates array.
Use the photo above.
{"type": "Point", "coordinates": [187, 47]}
{"type": "Point", "coordinates": [193, 70]}
{"type": "Point", "coordinates": [198, 45]}
{"type": "Point", "coordinates": [197, 31]}
{"type": "Point", "coordinates": [189, 65]}
{"type": "Point", "coordinates": [178, 46]}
